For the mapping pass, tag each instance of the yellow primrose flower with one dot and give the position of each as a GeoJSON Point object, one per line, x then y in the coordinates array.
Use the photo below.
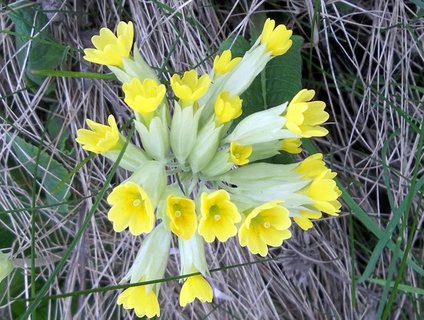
{"type": "Point", "coordinates": [131, 207]}
{"type": "Point", "coordinates": [101, 138]}
{"type": "Point", "coordinates": [291, 145]}
{"type": "Point", "coordinates": [143, 97]}
{"type": "Point", "coordinates": [227, 107]}
{"type": "Point", "coordinates": [303, 221]}
{"type": "Point", "coordinates": [277, 40]}
{"type": "Point", "coordinates": [223, 63]}
{"type": "Point", "coordinates": [304, 116]}
{"type": "Point", "coordinates": [111, 49]}
{"type": "Point", "coordinates": [144, 303]}
{"type": "Point", "coordinates": [218, 216]}
{"type": "Point", "coordinates": [240, 154]}
{"type": "Point", "coordinates": [265, 225]}
{"type": "Point", "coordinates": [183, 217]}
{"type": "Point", "coordinates": [312, 166]}
{"type": "Point", "coordinates": [190, 88]}
{"type": "Point", "coordinates": [195, 287]}
{"type": "Point", "coordinates": [324, 191]}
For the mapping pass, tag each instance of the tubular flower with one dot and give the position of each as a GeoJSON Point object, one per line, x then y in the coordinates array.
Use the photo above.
{"type": "Point", "coordinates": [277, 40]}
{"type": "Point", "coordinates": [131, 207]}
{"type": "Point", "coordinates": [223, 63]}
{"type": "Point", "coordinates": [305, 116]}
{"type": "Point", "coordinates": [324, 191]}
{"type": "Point", "coordinates": [218, 216]}
{"type": "Point", "coordinates": [312, 166]}
{"type": "Point", "coordinates": [291, 145]}
{"type": "Point", "coordinates": [183, 217]}
{"type": "Point", "coordinates": [239, 154]}
{"type": "Point", "coordinates": [100, 138]}
{"type": "Point", "coordinates": [144, 302]}
{"type": "Point", "coordinates": [195, 287]}
{"type": "Point", "coordinates": [190, 88]}
{"type": "Point", "coordinates": [227, 107]}
{"type": "Point", "coordinates": [303, 220]}
{"type": "Point", "coordinates": [265, 225]}
{"type": "Point", "coordinates": [143, 97]}
{"type": "Point", "coordinates": [111, 49]}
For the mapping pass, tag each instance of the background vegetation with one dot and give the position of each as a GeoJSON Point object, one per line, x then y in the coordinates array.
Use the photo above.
{"type": "Point", "coordinates": [364, 58]}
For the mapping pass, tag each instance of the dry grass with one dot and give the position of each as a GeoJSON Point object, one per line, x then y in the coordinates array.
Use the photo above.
{"type": "Point", "coordinates": [367, 63]}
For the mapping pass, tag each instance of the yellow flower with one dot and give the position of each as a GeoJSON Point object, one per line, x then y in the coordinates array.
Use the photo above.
{"type": "Point", "coordinates": [111, 49]}
{"type": "Point", "coordinates": [312, 166]}
{"type": "Point", "coordinates": [304, 222]}
{"type": "Point", "coordinates": [265, 225]}
{"type": "Point", "coordinates": [291, 145]}
{"type": "Point", "coordinates": [304, 116]}
{"type": "Point", "coordinates": [143, 97]}
{"type": "Point", "coordinates": [218, 216]}
{"type": "Point", "coordinates": [227, 107]}
{"type": "Point", "coordinates": [277, 40]}
{"type": "Point", "coordinates": [195, 287]}
{"type": "Point", "coordinates": [324, 191]}
{"type": "Point", "coordinates": [101, 138]}
{"type": "Point", "coordinates": [190, 88]}
{"type": "Point", "coordinates": [223, 63]}
{"type": "Point", "coordinates": [240, 154]}
{"type": "Point", "coordinates": [183, 217]}
{"type": "Point", "coordinates": [144, 303]}
{"type": "Point", "coordinates": [131, 207]}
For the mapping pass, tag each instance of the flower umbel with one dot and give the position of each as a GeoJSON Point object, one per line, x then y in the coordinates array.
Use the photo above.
{"type": "Point", "coordinates": [195, 287]}
{"type": "Point", "coordinates": [304, 116]}
{"type": "Point", "coordinates": [111, 49]}
{"type": "Point", "coordinates": [194, 175]}
{"type": "Point", "coordinates": [265, 225]}
{"type": "Point", "coordinates": [190, 87]}
{"type": "Point", "coordinates": [100, 138]}
{"type": "Point", "coordinates": [219, 216]}
{"type": "Point", "coordinates": [182, 214]}
{"type": "Point", "coordinates": [277, 40]}
{"type": "Point", "coordinates": [143, 96]}
{"type": "Point", "coordinates": [239, 154]}
{"type": "Point", "coordinates": [131, 207]}
{"type": "Point", "coordinates": [144, 302]}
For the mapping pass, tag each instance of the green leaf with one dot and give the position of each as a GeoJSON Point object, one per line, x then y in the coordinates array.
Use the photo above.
{"type": "Point", "coordinates": [402, 287]}
{"type": "Point", "coordinates": [49, 172]}
{"type": "Point", "coordinates": [36, 48]}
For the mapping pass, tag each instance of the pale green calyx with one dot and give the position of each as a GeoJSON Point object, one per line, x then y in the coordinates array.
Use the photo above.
{"type": "Point", "coordinates": [184, 126]}
{"type": "Point", "coordinates": [260, 127]}
{"type": "Point", "coordinates": [192, 254]}
{"type": "Point", "coordinates": [152, 258]}
{"type": "Point", "coordinates": [205, 146]}
{"type": "Point", "coordinates": [155, 137]}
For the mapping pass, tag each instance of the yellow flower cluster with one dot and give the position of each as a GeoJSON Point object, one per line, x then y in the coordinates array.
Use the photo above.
{"type": "Point", "coordinates": [198, 175]}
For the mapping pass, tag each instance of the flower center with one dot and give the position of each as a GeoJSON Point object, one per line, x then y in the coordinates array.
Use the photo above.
{"type": "Point", "coordinates": [215, 212]}
{"type": "Point", "coordinates": [267, 225]}
{"type": "Point", "coordinates": [136, 202]}
{"type": "Point", "coordinates": [217, 217]}
{"type": "Point", "coordinates": [177, 213]}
